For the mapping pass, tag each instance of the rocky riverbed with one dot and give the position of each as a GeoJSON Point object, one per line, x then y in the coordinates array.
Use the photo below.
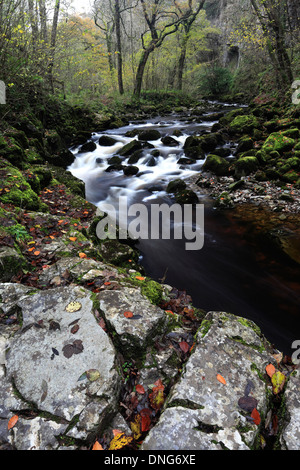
{"type": "Point", "coordinates": [96, 355]}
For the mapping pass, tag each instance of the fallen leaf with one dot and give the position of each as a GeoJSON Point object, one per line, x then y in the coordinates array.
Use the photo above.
{"type": "Point", "coordinates": [135, 426]}
{"type": "Point", "coordinates": [73, 307]}
{"type": "Point", "coordinates": [140, 278]}
{"type": "Point", "coordinates": [128, 314]}
{"type": "Point", "coordinates": [157, 396]}
{"type": "Point", "coordinates": [247, 403]}
{"type": "Point", "coordinates": [140, 389]}
{"type": "Point", "coordinates": [255, 416]}
{"type": "Point", "coordinates": [221, 379]}
{"type": "Point", "coordinates": [36, 253]}
{"type": "Point", "coordinates": [120, 441]}
{"type": "Point", "coordinates": [278, 381]}
{"type": "Point", "coordinates": [92, 375]}
{"type": "Point", "coordinates": [116, 432]}
{"type": "Point", "coordinates": [82, 255]}
{"type": "Point", "coordinates": [146, 419]}
{"type": "Point", "coordinates": [12, 421]}
{"type": "Point", "coordinates": [73, 239]}
{"type": "Point", "coordinates": [270, 369]}
{"type": "Point", "coordinates": [184, 346]}
{"type": "Point", "coordinates": [97, 446]}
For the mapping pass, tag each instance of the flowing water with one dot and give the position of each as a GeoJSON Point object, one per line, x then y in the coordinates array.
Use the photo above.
{"type": "Point", "coordinates": [226, 273]}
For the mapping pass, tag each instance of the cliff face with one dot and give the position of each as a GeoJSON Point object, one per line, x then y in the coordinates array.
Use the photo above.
{"type": "Point", "coordinates": [226, 15]}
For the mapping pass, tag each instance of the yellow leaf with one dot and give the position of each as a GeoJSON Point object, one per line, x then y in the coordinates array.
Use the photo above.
{"type": "Point", "coordinates": [278, 381]}
{"type": "Point", "coordinates": [73, 307]}
{"type": "Point", "coordinates": [136, 426]}
{"type": "Point", "coordinates": [120, 441]}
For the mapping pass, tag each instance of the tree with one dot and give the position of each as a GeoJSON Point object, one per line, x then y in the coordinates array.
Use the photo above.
{"type": "Point", "coordinates": [272, 15]}
{"type": "Point", "coordinates": [162, 18]}
{"type": "Point", "coordinates": [186, 26]}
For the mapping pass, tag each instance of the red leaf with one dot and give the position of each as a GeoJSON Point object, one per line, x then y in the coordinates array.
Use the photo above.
{"type": "Point", "coordinates": [140, 389]}
{"type": "Point", "coordinates": [270, 369]}
{"type": "Point", "coordinates": [146, 423]}
{"type": "Point", "coordinates": [184, 346]}
{"type": "Point", "coordinates": [256, 416]}
{"type": "Point", "coordinates": [128, 314]}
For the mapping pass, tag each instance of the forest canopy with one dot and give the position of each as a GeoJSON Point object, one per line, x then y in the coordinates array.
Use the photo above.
{"type": "Point", "coordinates": [129, 46]}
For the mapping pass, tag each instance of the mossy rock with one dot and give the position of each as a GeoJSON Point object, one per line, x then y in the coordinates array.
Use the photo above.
{"type": "Point", "coordinates": [196, 152]}
{"type": "Point", "coordinates": [291, 177]}
{"type": "Point", "coordinates": [186, 196]}
{"type": "Point", "coordinates": [176, 185]}
{"type": "Point", "coordinates": [230, 116]}
{"type": "Point", "coordinates": [11, 151]}
{"type": "Point", "coordinates": [244, 124]}
{"type": "Point", "coordinates": [279, 142]}
{"type": "Point", "coordinates": [65, 177]}
{"type": "Point", "coordinates": [32, 156]}
{"type": "Point", "coordinates": [224, 201]}
{"type": "Point", "coordinates": [53, 141]}
{"type": "Point", "coordinates": [62, 159]}
{"type": "Point", "coordinates": [107, 141]}
{"type": "Point", "coordinates": [245, 144]}
{"type": "Point", "coordinates": [130, 170]}
{"type": "Point", "coordinates": [209, 142]}
{"type": "Point", "coordinates": [293, 133]}
{"type": "Point", "coordinates": [246, 165]}
{"type": "Point", "coordinates": [88, 147]}
{"type": "Point", "coordinates": [17, 191]}
{"type": "Point", "coordinates": [129, 148]}
{"type": "Point", "coordinates": [217, 165]}
{"type": "Point", "coordinates": [149, 134]}
{"type": "Point", "coordinates": [11, 263]}
{"type": "Point", "coordinates": [19, 136]}
{"type": "Point", "coordinates": [44, 175]}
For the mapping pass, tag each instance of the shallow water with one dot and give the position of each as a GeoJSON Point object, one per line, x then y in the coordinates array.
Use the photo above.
{"type": "Point", "coordinates": [226, 274]}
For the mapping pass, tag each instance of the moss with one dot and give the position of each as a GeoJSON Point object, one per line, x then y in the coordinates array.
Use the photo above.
{"type": "Point", "coordinates": [216, 164]}
{"type": "Point", "coordinates": [11, 151]}
{"type": "Point", "coordinates": [205, 327]}
{"type": "Point", "coordinates": [245, 165]}
{"type": "Point", "coordinates": [153, 291]}
{"type": "Point", "coordinates": [279, 142]}
{"type": "Point", "coordinates": [244, 124]}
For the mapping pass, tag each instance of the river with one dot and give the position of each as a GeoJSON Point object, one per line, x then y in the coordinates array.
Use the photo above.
{"type": "Point", "coordinates": [225, 274]}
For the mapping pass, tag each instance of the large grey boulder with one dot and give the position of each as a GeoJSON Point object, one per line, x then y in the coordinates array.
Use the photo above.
{"type": "Point", "coordinates": [290, 437]}
{"type": "Point", "coordinates": [61, 361]}
{"type": "Point", "coordinates": [201, 412]}
{"type": "Point", "coordinates": [133, 333]}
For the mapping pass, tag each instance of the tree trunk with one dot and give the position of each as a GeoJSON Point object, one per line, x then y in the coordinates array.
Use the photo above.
{"type": "Point", "coordinates": [119, 46]}
{"type": "Point", "coordinates": [181, 62]}
{"type": "Point", "coordinates": [140, 73]}
{"type": "Point", "coordinates": [53, 43]}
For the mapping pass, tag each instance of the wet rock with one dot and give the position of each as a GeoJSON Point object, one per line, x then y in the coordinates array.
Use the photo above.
{"type": "Point", "coordinates": [88, 147]}
{"type": "Point", "coordinates": [203, 413]}
{"type": "Point", "coordinates": [130, 170]}
{"type": "Point", "coordinates": [129, 148]}
{"type": "Point", "coordinates": [149, 134]}
{"type": "Point", "coordinates": [176, 185]}
{"type": "Point", "coordinates": [107, 141]}
{"type": "Point", "coordinates": [169, 141]}
{"type": "Point", "coordinates": [186, 196]}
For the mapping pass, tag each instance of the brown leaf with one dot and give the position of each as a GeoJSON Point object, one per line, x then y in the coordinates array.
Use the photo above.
{"type": "Point", "coordinates": [247, 403]}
